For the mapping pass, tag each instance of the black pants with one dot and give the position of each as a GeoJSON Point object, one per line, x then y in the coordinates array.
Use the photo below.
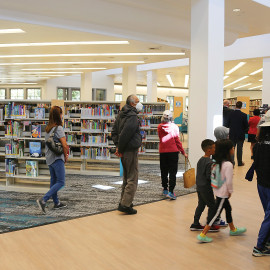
{"type": "Point", "coordinates": [168, 165]}
{"type": "Point", "coordinates": [205, 198]}
{"type": "Point", "coordinates": [239, 145]}
{"type": "Point", "coordinates": [222, 203]}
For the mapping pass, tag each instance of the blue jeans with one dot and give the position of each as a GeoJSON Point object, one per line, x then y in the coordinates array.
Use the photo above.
{"type": "Point", "coordinates": [264, 233]}
{"type": "Point", "coordinates": [57, 172]}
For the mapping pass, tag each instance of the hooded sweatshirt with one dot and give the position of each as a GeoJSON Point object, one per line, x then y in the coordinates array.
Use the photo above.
{"type": "Point", "coordinates": [169, 138]}
{"type": "Point", "coordinates": [126, 130]}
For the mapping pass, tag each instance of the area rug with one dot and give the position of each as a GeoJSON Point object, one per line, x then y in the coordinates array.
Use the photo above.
{"type": "Point", "coordinates": [19, 210]}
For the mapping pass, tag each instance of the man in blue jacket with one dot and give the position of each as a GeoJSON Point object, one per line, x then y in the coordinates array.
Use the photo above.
{"type": "Point", "coordinates": [127, 139]}
{"type": "Point", "coordinates": [238, 125]}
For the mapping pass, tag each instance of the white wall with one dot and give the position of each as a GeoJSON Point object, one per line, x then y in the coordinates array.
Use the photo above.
{"type": "Point", "coordinates": [162, 92]}
{"type": "Point", "coordinates": [252, 94]}
{"type": "Point", "coordinates": [101, 80]}
{"type": "Point", "coordinates": [68, 81]}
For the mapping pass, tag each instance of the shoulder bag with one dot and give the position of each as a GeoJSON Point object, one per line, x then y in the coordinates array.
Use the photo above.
{"type": "Point", "coordinates": [55, 147]}
{"type": "Point", "coordinates": [189, 175]}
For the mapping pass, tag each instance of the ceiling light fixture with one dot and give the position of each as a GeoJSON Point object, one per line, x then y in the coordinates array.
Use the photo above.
{"type": "Point", "coordinates": [186, 80]}
{"type": "Point", "coordinates": [49, 72]}
{"type": "Point", "coordinates": [242, 86]}
{"type": "Point", "coordinates": [11, 31]}
{"type": "Point", "coordinates": [158, 83]}
{"type": "Point", "coordinates": [260, 80]}
{"type": "Point", "coordinates": [257, 71]}
{"type": "Point", "coordinates": [87, 54]}
{"type": "Point", "coordinates": [225, 77]}
{"type": "Point", "coordinates": [59, 68]}
{"type": "Point", "coordinates": [236, 81]}
{"type": "Point", "coordinates": [236, 9]}
{"type": "Point", "coordinates": [64, 43]}
{"type": "Point", "coordinates": [255, 87]}
{"type": "Point", "coordinates": [170, 80]}
{"type": "Point", "coordinates": [70, 63]}
{"type": "Point", "coordinates": [235, 68]}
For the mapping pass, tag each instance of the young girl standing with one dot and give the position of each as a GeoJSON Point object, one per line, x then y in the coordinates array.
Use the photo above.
{"type": "Point", "coordinates": [224, 151]}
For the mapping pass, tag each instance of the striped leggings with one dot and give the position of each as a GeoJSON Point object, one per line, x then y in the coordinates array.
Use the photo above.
{"type": "Point", "coordinates": [222, 203]}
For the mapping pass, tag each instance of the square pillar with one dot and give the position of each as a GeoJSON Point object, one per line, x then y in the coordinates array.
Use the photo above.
{"type": "Point", "coordinates": [152, 86]}
{"type": "Point", "coordinates": [129, 82]}
{"type": "Point", "coordinates": [206, 73]}
{"type": "Point", "coordinates": [86, 87]}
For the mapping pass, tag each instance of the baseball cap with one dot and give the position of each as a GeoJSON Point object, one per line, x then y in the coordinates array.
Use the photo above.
{"type": "Point", "coordinates": [266, 119]}
{"type": "Point", "coordinates": [167, 114]}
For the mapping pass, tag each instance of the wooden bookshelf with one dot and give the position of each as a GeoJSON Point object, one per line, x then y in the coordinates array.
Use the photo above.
{"type": "Point", "coordinates": [254, 104]}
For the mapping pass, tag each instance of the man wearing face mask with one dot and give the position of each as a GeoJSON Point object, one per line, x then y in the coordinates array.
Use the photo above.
{"type": "Point", "coordinates": [127, 138]}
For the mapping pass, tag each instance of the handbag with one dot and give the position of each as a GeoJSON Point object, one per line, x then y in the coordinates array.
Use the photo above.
{"type": "Point", "coordinates": [189, 175]}
{"type": "Point", "coordinates": [55, 147]}
{"type": "Point", "coordinates": [250, 172]}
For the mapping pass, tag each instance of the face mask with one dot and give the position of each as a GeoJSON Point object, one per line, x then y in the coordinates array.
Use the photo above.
{"type": "Point", "coordinates": [139, 106]}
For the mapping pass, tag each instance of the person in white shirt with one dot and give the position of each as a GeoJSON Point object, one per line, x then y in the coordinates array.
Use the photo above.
{"type": "Point", "coordinates": [224, 151]}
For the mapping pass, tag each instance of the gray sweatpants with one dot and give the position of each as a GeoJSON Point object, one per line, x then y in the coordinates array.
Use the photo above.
{"type": "Point", "coordinates": [130, 177]}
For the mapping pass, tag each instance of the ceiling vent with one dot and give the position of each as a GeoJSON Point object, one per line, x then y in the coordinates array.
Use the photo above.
{"type": "Point", "coordinates": [155, 48]}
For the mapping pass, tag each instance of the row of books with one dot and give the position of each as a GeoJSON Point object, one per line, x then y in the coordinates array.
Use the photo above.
{"type": "Point", "coordinates": [99, 139]}
{"type": "Point", "coordinates": [98, 111]}
{"type": "Point", "coordinates": [150, 119]}
{"type": "Point", "coordinates": [13, 110]}
{"type": "Point", "coordinates": [150, 109]}
{"type": "Point", "coordinates": [93, 125]}
{"type": "Point", "coordinates": [13, 129]}
{"type": "Point", "coordinates": [30, 166]}
{"type": "Point", "coordinates": [151, 145]}
{"type": "Point", "coordinates": [15, 148]}
{"type": "Point", "coordinates": [95, 153]}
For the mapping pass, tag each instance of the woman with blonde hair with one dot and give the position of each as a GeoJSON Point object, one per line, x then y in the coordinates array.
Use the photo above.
{"type": "Point", "coordinates": [55, 162]}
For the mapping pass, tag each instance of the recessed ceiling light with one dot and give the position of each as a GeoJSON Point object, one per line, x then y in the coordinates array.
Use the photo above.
{"type": "Point", "coordinates": [59, 68]}
{"type": "Point", "coordinates": [236, 81]}
{"type": "Point", "coordinates": [158, 83]}
{"type": "Point", "coordinates": [11, 31]}
{"type": "Point", "coordinates": [186, 80]}
{"type": "Point", "coordinates": [260, 80]}
{"type": "Point", "coordinates": [242, 86]}
{"type": "Point", "coordinates": [64, 43]}
{"type": "Point", "coordinates": [235, 68]}
{"type": "Point", "coordinates": [255, 87]}
{"type": "Point", "coordinates": [51, 72]}
{"type": "Point", "coordinates": [257, 71]}
{"type": "Point", "coordinates": [236, 9]}
{"type": "Point", "coordinates": [70, 63]}
{"type": "Point", "coordinates": [225, 77]}
{"type": "Point", "coordinates": [170, 80]}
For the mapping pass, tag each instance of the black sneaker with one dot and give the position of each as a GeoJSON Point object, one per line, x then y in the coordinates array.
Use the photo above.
{"type": "Point", "coordinates": [194, 227]}
{"type": "Point", "coordinates": [41, 206]}
{"type": "Point", "coordinates": [128, 210]}
{"type": "Point", "coordinates": [120, 205]}
{"type": "Point", "coordinates": [259, 252]}
{"type": "Point", "coordinates": [59, 206]}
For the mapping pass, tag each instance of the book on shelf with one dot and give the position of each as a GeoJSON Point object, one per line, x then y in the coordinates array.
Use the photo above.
{"type": "Point", "coordinates": [12, 149]}
{"type": "Point", "coordinates": [13, 110]}
{"type": "Point", "coordinates": [35, 149]}
{"type": "Point", "coordinates": [32, 168]}
{"type": "Point", "coordinates": [8, 130]}
{"type": "Point", "coordinates": [17, 129]}
{"type": "Point", "coordinates": [21, 148]}
{"type": "Point", "coordinates": [95, 153]}
{"type": "Point", "coordinates": [11, 167]}
{"type": "Point", "coordinates": [39, 113]}
{"type": "Point", "coordinates": [1, 114]}
{"type": "Point", "coordinates": [36, 131]}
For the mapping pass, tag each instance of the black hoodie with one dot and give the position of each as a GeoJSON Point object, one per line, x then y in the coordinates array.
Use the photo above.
{"type": "Point", "coordinates": [126, 130]}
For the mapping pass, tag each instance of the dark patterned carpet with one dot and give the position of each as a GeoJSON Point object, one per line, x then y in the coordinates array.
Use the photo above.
{"type": "Point", "coordinates": [19, 210]}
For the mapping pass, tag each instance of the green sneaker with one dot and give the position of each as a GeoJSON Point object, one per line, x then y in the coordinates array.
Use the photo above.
{"type": "Point", "coordinates": [261, 252]}
{"type": "Point", "coordinates": [204, 239]}
{"type": "Point", "coordinates": [238, 231]}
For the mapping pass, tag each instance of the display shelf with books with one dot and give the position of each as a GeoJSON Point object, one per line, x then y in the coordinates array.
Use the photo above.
{"type": "Point", "coordinates": [254, 104]}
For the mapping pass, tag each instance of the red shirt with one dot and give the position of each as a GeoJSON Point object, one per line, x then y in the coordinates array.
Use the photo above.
{"type": "Point", "coordinates": [253, 122]}
{"type": "Point", "coordinates": [169, 138]}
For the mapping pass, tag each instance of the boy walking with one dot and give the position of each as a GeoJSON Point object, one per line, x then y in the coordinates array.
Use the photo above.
{"type": "Point", "coordinates": [204, 189]}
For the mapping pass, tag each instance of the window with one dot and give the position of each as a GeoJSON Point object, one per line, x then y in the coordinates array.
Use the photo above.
{"type": "Point", "coordinates": [142, 98]}
{"type": "Point", "coordinates": [2, 93]}
{"type": "Point", "coordinates": [75, 94]}
{"type": "Point", "coordinates": [16, 93]}
{"type": "Point", "coordinates": [118, 97]}
{"type": "Point", "coordinates": [62, 93]}
{"type": "Point", "coordinates": [186, 104]}
{"type": "Point", "coordinates": [99, 94]}
{"type": "Point", "coordinates": [33, 93]}
{"type": "Point", "coordinates": [170, 99]}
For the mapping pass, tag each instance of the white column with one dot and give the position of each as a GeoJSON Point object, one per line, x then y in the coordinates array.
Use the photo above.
{"type": "Point", "coordinates": [152, 86]}
{"type": "Point", "coordinates": [266, 82]}
{"type": "Point", "coordinates": [228, 93]}
{"type": "Point", "coordinates": [129, 81]}
{"type": "Point", "coordinates": [86, 86]}
{"type": "Point", "coordinates": [206, 73]}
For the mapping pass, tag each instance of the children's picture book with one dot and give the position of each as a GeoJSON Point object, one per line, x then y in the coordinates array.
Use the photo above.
{"type": "Point", "coordinates": [39, 113]}
{"type": "Point", "coordinates": [35, 149]}
{"type": "Point", "coordinates": [36, 131]}
{"type": "Point", "coordinates": [31, 168]}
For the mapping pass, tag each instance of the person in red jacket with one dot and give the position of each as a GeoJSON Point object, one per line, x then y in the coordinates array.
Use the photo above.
{"type": "Point", "coordinates": [253, 122]}
{"type": "Point", "coordinates": [169, 148]}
